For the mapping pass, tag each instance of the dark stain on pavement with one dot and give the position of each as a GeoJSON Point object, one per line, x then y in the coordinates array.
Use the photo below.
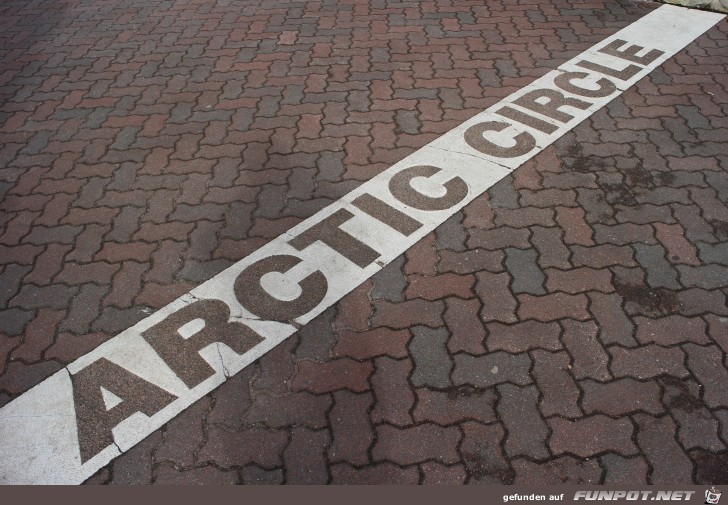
{"type": "Point", "coordinates": [479, 468]}
{"type": "Point", "coordinates": [684, 399]}
{"type": "Point", "coordinates": [653, 300]}
{"type": "Point", "coordinates": [711, 468]}
{"type": "Point", "coordinates": [721, 229]}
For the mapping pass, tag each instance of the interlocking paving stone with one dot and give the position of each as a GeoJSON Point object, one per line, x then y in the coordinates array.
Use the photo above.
{"type": "Point", "coordinates": [437, 474]}
{"type": "Point", "coordinates": [372, 343]}
{"type": "Point", "coordinates": [491, 369]}
{"type": "Point", "coordinates": [600, 256]}
{"type": "Point", "coordinates": [622, 234]}
{"type": "Point", "coordinates": [455, 404]}
{"type": "Point", "coordinates": [333, 375]}
{"type": "Point", "coordinates": [395, 397]}
{"type": "Point", "coordinates": [304, 458]}
{"type": "Point", "coordinates": [524, 336]}
{"type": "Point", "coordinates": [679, 249]}
{"type": "Point", "coordinates": [576, 230]}
{"type": "Point", "coordinates": [409, 313]}
{"type": "Point", "coordinates": [718, 330]}
{"type": "Point", "coordinates": [647, 361]}
{"type": "Point", "coordinates": [390, 283]}
{"type": "Point", "coordinates": [499, 238]}
{"type": "Point", "coordinates": [301, 408]}
{"type": "Point", "coordinates": [250, 445]}
{"type": "Point", "coordinates": [579, 280]}
{"type": "Point", "coordinates": [713, 253]}
{"type": "Point", "coordinates": [708, 365]}
{"type": "Point", "coordinates": [472, 260]}
{"type": "Point", "coordinates": [380, 473]}
{"type": "Point", "coordinates": [167, 475]}
{"type": "Point", "coordinates": [432, 362]}
{"type": "Point", "coordinates": [451, 235]}
{"type": "Point", "coordinates": [722, 416]}
{"type": "Point", "coordinates": [466, 329]}
{"type": "Point", "coordinates": [317, 338]}
{"type": "Point", "coordinates": [709, 466]}
{"type": "Point", "coordinates": [551, 250]}
{"type": "Point", "coordinates": [560, 394]}
{"type": "Point", "coordinates": [254, 475]}
{"type": "Point", "coordinates": [656, 439]}
{"type": "Point", "coordinates": [696, 301]}
{"type": "Point", "coordinates": [527, 431]}
{"type": "Point", "coordinates": [232, 400]}
{"type": "Point", "coordinates": [620, 397]}
{"type": "Point", "coordinates": [483, 454]}
{"type": "Point", "coordinates": [659, 272]}
{"type": "Point", "coordinates": [352, 434]}
{"type": "Point", "coordinates": [417, 444]}
{"type": "Point", "coordinates": [614, 325]}
{"type": "Point", "coordinates": [496, 306]}
{"type": "Point", "coordinates": [184, 437]}
{"type": "Point", "coordinates": [135, 467]}
{"type": "Point", "coordinates": [552, 307]}
{"type": "Point", "coordinates": [696, 427]}
{"type": "Point", "coordinates": [562, 470]}
{"type": "Point", "coordinates": [275, 374]}
{"type": "Point", "coordinates": [589, 357]}
{"type": "Point", "coordinates": [527, 277]}
{"type": "Point", "coordinates": [671, 330]}
{"type": "Point", "coordinates": [621, 470]}
{"type": "Point", "coordinates": [591, 435]}
{"type": "Point", "coordinates": [440, 286]}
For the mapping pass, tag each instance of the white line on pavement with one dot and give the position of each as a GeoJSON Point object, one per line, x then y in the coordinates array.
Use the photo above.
{"type": "Point", "coordinates": [75, 422]}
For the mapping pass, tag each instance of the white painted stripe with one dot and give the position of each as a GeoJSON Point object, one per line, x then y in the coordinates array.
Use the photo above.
{"type": "Point", "coordinates": [39, 430]}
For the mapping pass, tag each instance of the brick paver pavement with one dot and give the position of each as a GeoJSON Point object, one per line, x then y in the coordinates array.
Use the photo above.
{"type": "Point", "coordinates": [570, 325]}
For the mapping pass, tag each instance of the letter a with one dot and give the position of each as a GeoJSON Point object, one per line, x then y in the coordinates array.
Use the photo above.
{"type": "Point", "coordinates": [93, 417]}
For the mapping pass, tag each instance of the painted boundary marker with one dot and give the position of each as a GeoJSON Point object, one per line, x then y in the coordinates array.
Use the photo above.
{"type": "Point", "coordinates": [76, 421]}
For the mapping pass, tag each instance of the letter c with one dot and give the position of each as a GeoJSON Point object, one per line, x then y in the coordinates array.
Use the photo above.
{"type": "Point", "coordinates": [474, 137]}
{"type": "Point", "coordinates": [254, 298]}
{"type": "Point", "coordinates": [402, 189]}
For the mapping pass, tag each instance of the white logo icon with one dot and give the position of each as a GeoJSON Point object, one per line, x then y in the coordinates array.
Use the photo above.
{"type": "Point", "coordinates": [712, 496]}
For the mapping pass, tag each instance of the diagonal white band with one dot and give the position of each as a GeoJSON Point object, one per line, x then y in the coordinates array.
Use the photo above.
{"type": "Point", "coordinates": [78, 420]}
